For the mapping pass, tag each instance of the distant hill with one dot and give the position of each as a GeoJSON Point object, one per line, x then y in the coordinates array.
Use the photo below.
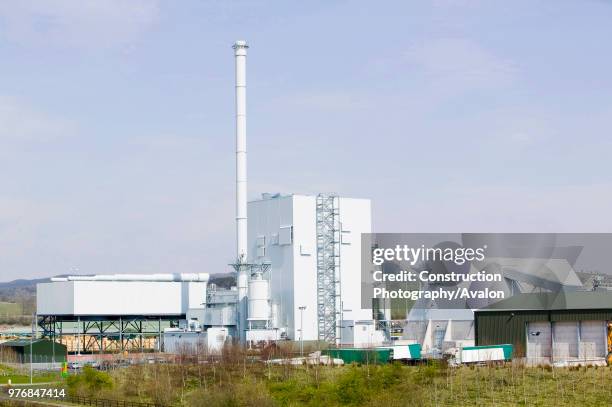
{"type": "Point", "coordinates": [23, 283]}
{"type": "Point", "coordinates": [21, 293]}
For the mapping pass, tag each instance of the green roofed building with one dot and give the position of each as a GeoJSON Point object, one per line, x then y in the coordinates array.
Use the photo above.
{"type": "Point", "coordinates": [562, 328]}
{"type": "Point", "coordinates": [43, 351]}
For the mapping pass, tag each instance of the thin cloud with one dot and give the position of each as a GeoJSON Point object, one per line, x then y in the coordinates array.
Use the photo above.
{"type": "Point", "coordinates": [495, 208]}
{"type": "Point", "coordinates": [22, 123]}
{"type": "Point", "coordinates": [453, 62]}
{"type": "Point", "coordinates": [332, 100]}
{"type": "Point", "coordinates": [68, 23]}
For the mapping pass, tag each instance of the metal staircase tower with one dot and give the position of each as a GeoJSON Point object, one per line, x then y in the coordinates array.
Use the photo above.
{"type": "Point", "coordinates": [329, 305]}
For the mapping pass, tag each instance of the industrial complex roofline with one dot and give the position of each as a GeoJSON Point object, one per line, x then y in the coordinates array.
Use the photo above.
{"type": "Point", "coordinates": [201, 277]}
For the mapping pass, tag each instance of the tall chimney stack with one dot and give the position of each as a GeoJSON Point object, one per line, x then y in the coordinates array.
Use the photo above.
{"type": "Point", "coordinates": [240, 52]}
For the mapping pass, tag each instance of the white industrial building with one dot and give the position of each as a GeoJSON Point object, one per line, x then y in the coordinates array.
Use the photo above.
{"type": "Point", "coordinates": [289, 233]}
{"type": "Point", "coordinates": [123, 295]}
{"type": "Point", "coordinates": [117, 312]}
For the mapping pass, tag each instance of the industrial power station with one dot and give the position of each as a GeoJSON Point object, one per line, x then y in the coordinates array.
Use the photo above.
{"type": "Point", "coordinates": [297, 267]}
{"type": "Point", "coordinates": [298, 277]}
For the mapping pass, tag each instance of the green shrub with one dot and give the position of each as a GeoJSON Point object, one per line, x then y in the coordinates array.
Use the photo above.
{"type": "Point", "coordinates": [90, 382]}
{"type": "Point", "coordinates": [352, 388]}
{"type": "Point", "coordinates": [244, 393]}
{"type": "Point", "coordinates": [389, 375]}
{"type": "Point", "coordinates": [427, 373]}
{"type": "Point", "coordinates": [284, 392]}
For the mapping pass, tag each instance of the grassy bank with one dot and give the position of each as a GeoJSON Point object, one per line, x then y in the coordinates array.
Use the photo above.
{"type": "Point", "coordinates": [10, 308]}
{"type": "Point", "coordinates": [13, 314]}
{"type": "Point", "coordinates": [254, 384]}
{"type": "Point", "coordinates": [20, 376]}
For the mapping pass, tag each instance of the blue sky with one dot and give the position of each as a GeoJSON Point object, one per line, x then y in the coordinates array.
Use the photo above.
{"type": "Point", "coordinates": [116, 122]}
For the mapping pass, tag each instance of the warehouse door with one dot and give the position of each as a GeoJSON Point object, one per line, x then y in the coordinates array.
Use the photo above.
{"type": "Point", "coordinates": [565, 339]}
{"type": "Point", "coordinates": [538, 341]}
{"type": "Point", "coordinates": [592, 339]}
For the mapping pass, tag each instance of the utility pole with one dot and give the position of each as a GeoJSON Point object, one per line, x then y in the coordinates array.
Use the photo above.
{"type": "Point", "coordinates": [302, 308]}
{"type": "Point", "coordinates": [53, 350]}
{"type": "Point", "coordinates": [32, 345]}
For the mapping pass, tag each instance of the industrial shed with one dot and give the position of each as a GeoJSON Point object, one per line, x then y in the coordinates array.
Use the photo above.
{"type": "Point", "coordinates": [561, 328]}
{"type": "Point", "coordinates": [43, 351]}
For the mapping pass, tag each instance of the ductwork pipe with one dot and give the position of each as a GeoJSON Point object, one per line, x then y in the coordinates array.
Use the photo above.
{"type": "Point", "coordinates": [180, 277]}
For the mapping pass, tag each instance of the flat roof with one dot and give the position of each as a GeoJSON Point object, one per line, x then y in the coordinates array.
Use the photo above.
{"type": "Point", "coordinates": [20, 343]}
{"type": "Point", "coordinates": [564, 300]}
{"type": "Point", "coordinates": [277, 195]}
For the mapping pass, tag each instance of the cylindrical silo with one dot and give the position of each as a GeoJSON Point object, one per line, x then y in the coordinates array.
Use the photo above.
{"type": "Point", "coordinates": [259, 299]}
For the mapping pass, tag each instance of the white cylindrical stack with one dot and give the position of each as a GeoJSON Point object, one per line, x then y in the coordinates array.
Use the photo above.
{"type": "Point", "coordinates": [259, 299]}
{"type": "Point", "coordinates": [240, 52]}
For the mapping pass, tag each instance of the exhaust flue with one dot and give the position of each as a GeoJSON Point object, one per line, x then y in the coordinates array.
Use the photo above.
{"type": "Point", "coordinates": [240, 52]}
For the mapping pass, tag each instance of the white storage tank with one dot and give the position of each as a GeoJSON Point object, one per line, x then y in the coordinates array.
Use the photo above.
{"type": "Point", "coordinates": [179, 341]}
{"type": "Point", "coordinates": [259, 298]}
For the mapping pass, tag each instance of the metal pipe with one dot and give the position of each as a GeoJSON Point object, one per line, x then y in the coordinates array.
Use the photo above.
{"type": "Point", "coordinates": [79, 336]}
{"type": "Point", "coordinates": [32, 345]}
{"type": "Point", "coordinates": [178, 277]}
{"type": "Point", "coordinates": [121, 334]}
{"type": "Point", "coordinates": [302, 308]}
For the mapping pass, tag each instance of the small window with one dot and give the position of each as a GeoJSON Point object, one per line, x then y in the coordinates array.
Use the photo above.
{"type": "Point", "coordinates": [305, 250]}
{"type": "Point", "coordinates": [261, 241]}
{"type": "Point", "coordinates": [285, 235]}
{"type": "Point", "coordinates": [345, 237]}
{"type": "Point", "coordinates": [261, 252]}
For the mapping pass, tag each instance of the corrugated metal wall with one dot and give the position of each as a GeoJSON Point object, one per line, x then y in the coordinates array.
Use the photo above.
{"type": "Point", "coordinates": [500, 327]}
{"type": "Point", "coordinates": [581, 315]}
{"type": "Point", "coordinates": [566, 336]}
{"type": "Point", "coordinates": [593, 339]}
{"type": "Point", "coordinates": [539, 340]}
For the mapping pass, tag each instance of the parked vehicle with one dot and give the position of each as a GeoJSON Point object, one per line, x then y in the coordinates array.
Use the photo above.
{"type": "Point", "coordinates": [480, 354]}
